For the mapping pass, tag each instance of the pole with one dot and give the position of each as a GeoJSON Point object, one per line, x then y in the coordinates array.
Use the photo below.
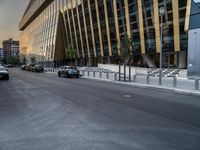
{"type": "Point", "coordinates": [161, 38]}
{"type": "Point", "coordinates": [124, 28]}
{"type": "Point", "coordinates": [124, 71]}
{"type": "Point", "coordinates": [119, 70]}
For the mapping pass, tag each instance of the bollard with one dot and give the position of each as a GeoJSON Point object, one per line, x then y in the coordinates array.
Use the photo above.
{"type": "Point", "coordinates": [119, 72]}
{"type": "Point", "coordinates": [129, 73]}
{"type": "Point", "coordinates": [107, 75]}
{"type": "Point", "coordinates": [115, 76]}
{"type": "Point", "coordinates": [196, 84]}
{"type": "Point", "coordinates": [88, 73]}
{"type": "Point", "coordinates": [94, 74]}
{"type": "Point", "coordinates": [134, 78]}
{"type": "Point", "coordinates": [100, 74]}
{"type": "Point", "coordinates": [174, 82]}
{"type": "Point", "coordinates": [147, 79]}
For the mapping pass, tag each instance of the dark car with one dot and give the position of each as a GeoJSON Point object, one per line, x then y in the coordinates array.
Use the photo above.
{"type": "Point", "coordinates": [9, 66]}
{"type": "Point", "coordinates": [23, 67]}
{"type": "Point", "coordinates": [69, 71]}
{"type": "Point", "coordinates": [4, 73]}
{"type": "Point", "coordinates": [37, 68]}
{"type": "Point", "coordinates": [29, 67]}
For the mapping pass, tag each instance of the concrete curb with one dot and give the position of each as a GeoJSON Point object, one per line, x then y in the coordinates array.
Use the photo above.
{"type": "Point", "coordinates": [147, 86]}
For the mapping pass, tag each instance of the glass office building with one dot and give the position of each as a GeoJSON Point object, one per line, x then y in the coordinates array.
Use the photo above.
{"type": "Point", "coordinates": [94, 28]}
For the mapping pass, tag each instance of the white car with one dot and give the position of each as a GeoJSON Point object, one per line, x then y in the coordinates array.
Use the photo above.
{"type": "Point", "coordinates": [4, 74]}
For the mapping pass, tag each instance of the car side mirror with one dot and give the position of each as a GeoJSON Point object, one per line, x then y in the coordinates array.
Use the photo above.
{"type": "Point", "coordinates": [6, 69]}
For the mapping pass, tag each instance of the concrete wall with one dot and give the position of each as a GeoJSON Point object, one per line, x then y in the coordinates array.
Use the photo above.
{"type": "Point", "coordinates": [183, 74]}
{"type": "Point", "coordinates": [115, 68]}
{"type": "Point", "coordinates": [182, 59]}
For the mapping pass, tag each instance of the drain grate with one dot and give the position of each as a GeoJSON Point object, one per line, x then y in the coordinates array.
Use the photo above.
{"type": "Point", "coordinates": [127, 96]}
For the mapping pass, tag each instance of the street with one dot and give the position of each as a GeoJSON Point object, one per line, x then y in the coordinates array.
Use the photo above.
{"type": "Point", "coordinates": [39, 111]}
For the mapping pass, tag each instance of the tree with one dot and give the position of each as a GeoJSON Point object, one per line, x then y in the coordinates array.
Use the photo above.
{"type": "Point", "coordinates": [126, 48]}
{"type": "Point", "coordinates": [125, 52]}
{"type": "Point", "coordinates": [33, 60]}
{"type": "Point", "coordinates": [24, 60]}
{"type": "Point", "coordinates": [70, 53]}
{"type": "Point", "coordinates": [4, 60]}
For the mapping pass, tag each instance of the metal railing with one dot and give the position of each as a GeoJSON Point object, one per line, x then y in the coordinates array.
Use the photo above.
{"type": "Point", "coordinates": [172, 82]}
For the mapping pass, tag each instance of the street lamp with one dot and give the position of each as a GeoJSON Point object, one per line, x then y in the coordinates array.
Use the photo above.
{"type": "Point", "coordinates": [162, 12]}
{"type": "Point", "coordinates": [124, 29]}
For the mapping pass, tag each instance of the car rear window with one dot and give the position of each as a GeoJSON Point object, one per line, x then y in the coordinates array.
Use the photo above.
{"type": "Point", "coordinates": [72, 68]}
{"type": "Point", "coordinates": [2, 69]}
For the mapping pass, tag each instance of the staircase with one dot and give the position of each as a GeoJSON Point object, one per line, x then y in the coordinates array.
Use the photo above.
{"type": "Point", "coordinates": [148, 61]}
{"type": "Point", "coordinates": [165, 72]}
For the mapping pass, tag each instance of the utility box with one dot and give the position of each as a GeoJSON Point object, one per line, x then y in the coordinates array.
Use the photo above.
{"type": "Point", "coordinates": [194, 41]}
{"type": "Point", "coordinates": [194, 54]}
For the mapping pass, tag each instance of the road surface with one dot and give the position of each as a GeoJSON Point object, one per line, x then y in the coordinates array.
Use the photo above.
{"type": "Point", "coordinates": [43, 112]}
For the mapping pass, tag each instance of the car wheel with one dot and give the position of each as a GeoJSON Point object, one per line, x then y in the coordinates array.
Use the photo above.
{"type": "Point", "coordinates": [59, 74]}
{"type": "Point", "coordinates": [77, 76]}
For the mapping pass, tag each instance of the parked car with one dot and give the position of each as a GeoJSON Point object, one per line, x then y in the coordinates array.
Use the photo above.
{"type": "Point", "coordinates": [23, 67]}
{"type": "Point", "coordinates": [69, 71]}
{"type": "Point", "coordinates": [9, 66]}
{"type": "Point", "coordinates": [4, 73]}
{"type": "Point", "coordinates": [29, 67]}
{"type": "Point", "coordinates": [37, 68]}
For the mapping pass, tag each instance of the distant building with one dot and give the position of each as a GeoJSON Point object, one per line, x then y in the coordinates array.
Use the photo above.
{"type": "Point", "coordinates": [1, 53]}
{"type": "Point", "coordinates": [11, 48]}
{"type": "Point", "coordinates": [14, 50]}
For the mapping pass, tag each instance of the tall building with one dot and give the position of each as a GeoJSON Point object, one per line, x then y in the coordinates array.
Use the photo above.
{"type": "Point", "coordinates": [95, 28]}
{"type": "Point", "coordinates": [11, 48]}
{"type": "Point", "coordinates": [1, 53]}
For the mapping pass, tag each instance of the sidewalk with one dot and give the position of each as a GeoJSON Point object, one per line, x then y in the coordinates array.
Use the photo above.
{"type": "Point", "coordinates": [183, 85]}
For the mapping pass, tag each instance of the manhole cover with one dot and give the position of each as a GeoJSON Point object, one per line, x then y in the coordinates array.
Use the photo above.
{"type": "Point", "coordinates": [128, 96]}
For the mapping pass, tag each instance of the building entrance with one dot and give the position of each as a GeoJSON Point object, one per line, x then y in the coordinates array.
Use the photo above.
{"type": "Point", "coordinates": [168, 60]}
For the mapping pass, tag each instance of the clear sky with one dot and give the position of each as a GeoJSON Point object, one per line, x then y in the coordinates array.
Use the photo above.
{"type": "Point", "coordinates": [11, 12]}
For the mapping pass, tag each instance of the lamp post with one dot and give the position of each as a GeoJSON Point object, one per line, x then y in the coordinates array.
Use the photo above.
{"type": "Point", "coordinates": [162, 12]}
{"type": "Point", "coordinates": [124, 29]}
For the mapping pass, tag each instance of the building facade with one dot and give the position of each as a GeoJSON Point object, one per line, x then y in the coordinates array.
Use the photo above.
{"type": "Point", "coordinates": [1, 53]}
{"type": "Point", "coordinates": [95, 29]}
{"type": "Point", "coordinates": [11, 48]}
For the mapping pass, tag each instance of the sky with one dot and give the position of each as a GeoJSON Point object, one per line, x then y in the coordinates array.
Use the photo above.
{"type": "Point", "coordinates": [11, 12]}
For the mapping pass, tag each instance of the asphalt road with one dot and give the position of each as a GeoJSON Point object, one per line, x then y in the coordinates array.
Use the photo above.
{"type": "Point", "coordinates": [43, 112]}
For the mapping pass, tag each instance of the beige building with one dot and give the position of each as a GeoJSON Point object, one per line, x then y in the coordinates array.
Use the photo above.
{"type": "Point", "coordinates": [94, 28]}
